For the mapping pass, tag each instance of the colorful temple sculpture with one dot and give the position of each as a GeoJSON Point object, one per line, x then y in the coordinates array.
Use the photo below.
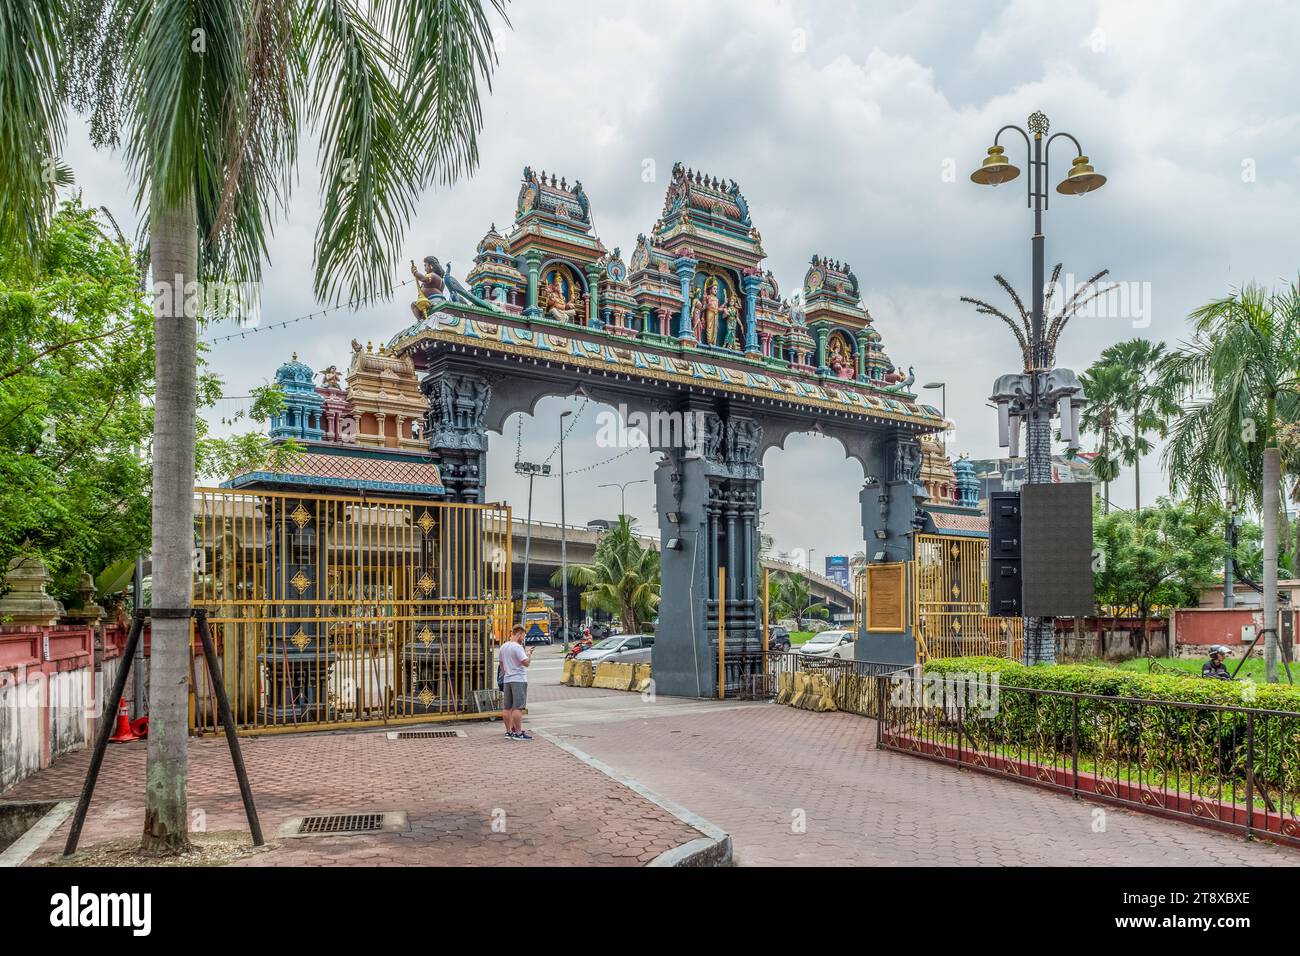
{"type": "Point", "coordinates": [691, 327]}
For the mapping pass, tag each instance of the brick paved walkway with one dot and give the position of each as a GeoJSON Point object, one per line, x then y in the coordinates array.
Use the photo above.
{"type": "Point", "coordinates": [756, 769]}
{"type": "Point", "coordinates": [556, 809]}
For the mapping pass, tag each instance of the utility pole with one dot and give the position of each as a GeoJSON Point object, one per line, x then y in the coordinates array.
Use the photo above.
{"type": "Point", "coordinates": [564, 541]}
{"type": "Point", "coordinates": [532, 471]}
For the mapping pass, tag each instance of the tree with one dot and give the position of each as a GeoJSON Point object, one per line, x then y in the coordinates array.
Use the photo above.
{"type": "Point", "coordinates": [1236, 378]}
{"type": "Point", "coordinates": [790, 596]}
{"type": "Point", "coordinates": [1164, 559]}
{"type": "Point", "coordinates": [1104, 387]}
{"type": "Point", "coordinates": [76, 371]}
{"type": "Point", "coordinates": [76, 386]}
{"type": "Point", "coordinates": [1146, 406]}
{"type": "Point", "coordinates": [622, 580]}
{"type": "Point", "coordinates": [210, 100]}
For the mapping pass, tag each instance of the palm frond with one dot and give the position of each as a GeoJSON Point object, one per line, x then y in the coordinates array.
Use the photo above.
{"type": "Point", "coordinates": [33, 42]}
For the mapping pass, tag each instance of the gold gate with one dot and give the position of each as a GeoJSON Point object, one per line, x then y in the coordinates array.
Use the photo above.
{"type": "Point", "coordinates": [949, 589]}
{"type": "Point", "coordinates": [332, 611]}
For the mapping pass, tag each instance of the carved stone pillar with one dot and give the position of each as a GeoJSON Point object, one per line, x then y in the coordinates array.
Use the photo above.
{"type": "Point", "coordinates": [822, 332]}
{"type": "Point", "coordinates": [891, 516]}
{"type": "Point", "coordinates": [750, 283]}
{"type": "Point", "coordinates": [685, 269]}
{"type": "Point", "coordinates": [593, 296]}
{"type": "Point", "coordinates": [454, 429]}
{"type": "Point", "coordinates": [708, 502]}
{"type": "Point", "coordinates": [533, 266]}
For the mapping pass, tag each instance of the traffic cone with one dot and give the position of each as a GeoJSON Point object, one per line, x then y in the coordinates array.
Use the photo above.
{"type": "Point", "coordinates": [123, 733]}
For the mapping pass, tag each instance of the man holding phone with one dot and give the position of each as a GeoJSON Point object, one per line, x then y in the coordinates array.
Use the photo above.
{"type": "Point", "coordinates": [513, 664]}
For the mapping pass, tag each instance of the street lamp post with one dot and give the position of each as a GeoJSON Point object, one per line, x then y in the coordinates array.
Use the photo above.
{"type": "Point", "coordinates": [622, 487]}
{"type": "Point", "coordinates": [1040, 392]}
{"type": "Point", "coordinates": [943, 400]}
{"type": "Point", "coordinates": [532, 471]}
{"type": "Point", "coordinates": [564, 541]}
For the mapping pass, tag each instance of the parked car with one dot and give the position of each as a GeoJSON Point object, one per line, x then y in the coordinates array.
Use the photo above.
{"type": "Point", "coordinates": [836, 645]}
{"type": "Point", "coordinates": [778, 638]}
{"type": "Point", "coordinates": [622, 649]}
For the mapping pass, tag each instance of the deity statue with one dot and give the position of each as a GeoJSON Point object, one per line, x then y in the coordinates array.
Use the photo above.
{"type": "Point", "coordinates": [712, 304]}
{"type": "Point", "coordinates": [732, 318]}
{"type": "Point", "coordinates": [697, 317]}
{"type": "Point", "coordinates": [839, 360]}
{"type": "Point", "coordinates": [431, 284]}
{"type": "Point", "coordinates": [332, 375]}
{"type": "Point", "coordinates": [553, 302]}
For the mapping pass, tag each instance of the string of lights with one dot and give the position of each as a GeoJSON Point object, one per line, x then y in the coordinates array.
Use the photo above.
{"type": "Point", "coordinates": [310, 316]}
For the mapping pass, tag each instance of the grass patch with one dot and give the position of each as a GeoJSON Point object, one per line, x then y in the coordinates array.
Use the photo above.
{"type": "Point", "coordinates": [800, 637]}
{"type": "Point", "coordinates": [1253, 668]}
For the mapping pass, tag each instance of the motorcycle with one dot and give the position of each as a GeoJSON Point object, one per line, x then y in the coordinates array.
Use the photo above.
{"type": "Point", "coordinates": [582, 644]}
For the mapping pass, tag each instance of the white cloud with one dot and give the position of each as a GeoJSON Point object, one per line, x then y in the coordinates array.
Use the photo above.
{"type": "Point", "coordinates": [840, 149]}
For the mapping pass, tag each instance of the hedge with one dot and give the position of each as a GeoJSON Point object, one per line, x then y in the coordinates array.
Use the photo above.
{"type": "Point", "coordinates": [1208, 746]}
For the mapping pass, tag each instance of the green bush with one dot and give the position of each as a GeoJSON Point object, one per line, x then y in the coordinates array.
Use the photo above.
{"type": "Point", "coordinates": [1181, 747]}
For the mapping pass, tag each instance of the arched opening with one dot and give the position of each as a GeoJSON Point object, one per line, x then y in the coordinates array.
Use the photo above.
{"type": "Point", "coordinates": [608, 469]}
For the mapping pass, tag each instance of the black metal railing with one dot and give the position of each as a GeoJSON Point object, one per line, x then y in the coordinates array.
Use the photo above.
{"type": "Point", "coordinates": [1230, 767]}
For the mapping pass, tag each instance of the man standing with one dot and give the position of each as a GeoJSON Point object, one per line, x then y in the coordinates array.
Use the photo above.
{"type": "Point", "coordinates": [514, 687]}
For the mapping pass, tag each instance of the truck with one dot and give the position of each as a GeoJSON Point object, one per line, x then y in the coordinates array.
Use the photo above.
{"type": "Point", "coordinates": [536, 615]}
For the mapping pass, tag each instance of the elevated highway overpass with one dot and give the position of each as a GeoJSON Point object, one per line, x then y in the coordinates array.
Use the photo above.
{"type": "Point", "coordinates": [544, 561]}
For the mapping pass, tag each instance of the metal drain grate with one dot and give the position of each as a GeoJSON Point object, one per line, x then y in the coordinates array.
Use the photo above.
{"type": "Point", "coordinates": [424, 734]}
{"type": "Point", "coordinates": [342, 823]}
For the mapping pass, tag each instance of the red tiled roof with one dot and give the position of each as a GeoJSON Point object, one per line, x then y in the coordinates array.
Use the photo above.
{"type": "Point", "coordinates": [971, 524]}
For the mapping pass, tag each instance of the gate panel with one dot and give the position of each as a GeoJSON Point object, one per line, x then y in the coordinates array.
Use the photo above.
{"type": "Point", "coordinates": [333, 611]}
{"type": "Point", "coordinates": [950, 601]}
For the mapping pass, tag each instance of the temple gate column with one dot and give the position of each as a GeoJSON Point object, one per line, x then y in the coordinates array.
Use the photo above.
{"type": "Point", "coordinates": [533, 267]}
{"type": "Point", "coordinates": [685, 269]}
{"type": "Point", "coordinates": [823, 333]}
{"type": "Point", "coordinates": [751, 283]}
{"type": "Point", "coordinates": [593, 296]}
{"type": "Point", "coordinates": [454, 429]}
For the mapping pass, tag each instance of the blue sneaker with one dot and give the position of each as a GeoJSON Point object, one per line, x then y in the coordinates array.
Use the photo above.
{"type": "Point", "coordinates": [523, 735]}
{"type": "Point", "coordinates": [510, 735]}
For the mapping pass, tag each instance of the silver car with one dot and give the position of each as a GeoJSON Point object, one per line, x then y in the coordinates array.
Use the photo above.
{"type": "Point", "coordinates": [620, 649]}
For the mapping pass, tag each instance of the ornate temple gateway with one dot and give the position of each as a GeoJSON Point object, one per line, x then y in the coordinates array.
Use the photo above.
{"type": "Point", "coordinates": [691, 334]}
{"type": "Point", "coordinates": [691, 331]}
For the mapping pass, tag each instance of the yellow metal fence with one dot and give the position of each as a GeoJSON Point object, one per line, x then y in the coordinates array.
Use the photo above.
{"type": "Point", "coordinates": [949, 591]}
{"type": "Point", "coordinates": [330, 610]}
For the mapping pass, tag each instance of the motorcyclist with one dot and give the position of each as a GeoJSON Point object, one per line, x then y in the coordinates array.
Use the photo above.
{"type": "Point", "coordinates": [1213, 668]}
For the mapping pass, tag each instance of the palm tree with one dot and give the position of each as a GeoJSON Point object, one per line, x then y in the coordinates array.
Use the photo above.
{"type": "Point", "coordinates": [210, 99]}
{"type": "Point", "coordinates": [1106, 386]}
{"type": "Point", "coordinates": [623, 578]}
{"type": "Point", "coordinates": [791, 596]}
{"type": "Point", "coordinates": [1238, 378]}
{"type": "Point", "coordinates": [1146, 406]}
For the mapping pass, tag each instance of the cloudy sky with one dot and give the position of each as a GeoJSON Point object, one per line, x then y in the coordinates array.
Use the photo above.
{"type": "Point", "coordinates": [852, 129]}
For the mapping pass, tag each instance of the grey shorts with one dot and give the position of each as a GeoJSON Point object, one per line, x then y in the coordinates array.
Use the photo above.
{"type": "Point", "coordinates": [515, 695]}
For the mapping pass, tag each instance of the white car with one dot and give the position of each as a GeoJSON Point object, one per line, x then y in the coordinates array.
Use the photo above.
{"type": "Point", "coordinates": [620, 649]}
{"type": "Point", "coordinates": [827, 645]}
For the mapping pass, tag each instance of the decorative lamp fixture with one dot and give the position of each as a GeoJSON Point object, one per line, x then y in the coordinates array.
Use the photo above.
{"type": "Point", "coordinates": [1081, 179]}
{"type": "Point", "coordinates": [995, 169]}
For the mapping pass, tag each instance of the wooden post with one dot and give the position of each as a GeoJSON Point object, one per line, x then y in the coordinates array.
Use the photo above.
{"type": "Point", "coordinates": [722, 633]}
